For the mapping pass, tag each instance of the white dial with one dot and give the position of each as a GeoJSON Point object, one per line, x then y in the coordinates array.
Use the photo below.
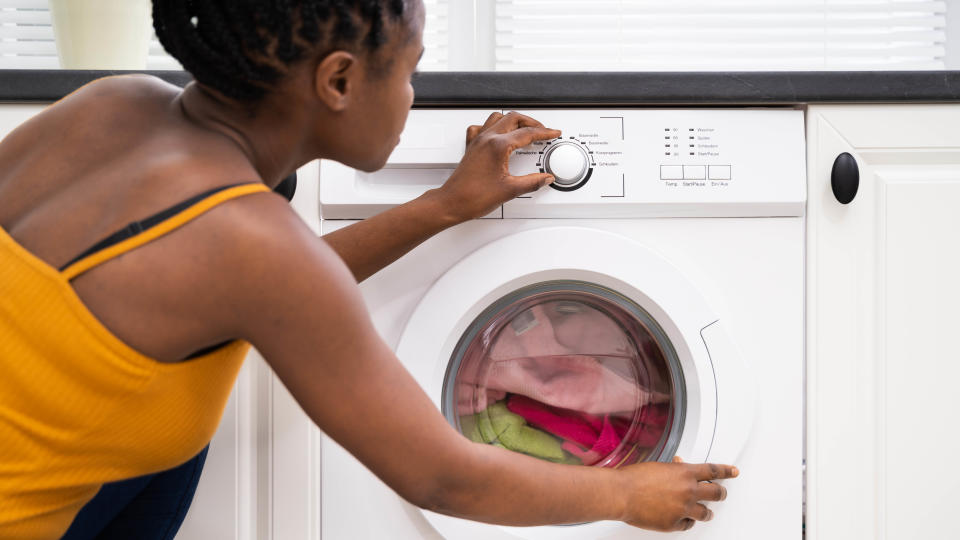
{"type": "Point", "coordinates": [568, 162]}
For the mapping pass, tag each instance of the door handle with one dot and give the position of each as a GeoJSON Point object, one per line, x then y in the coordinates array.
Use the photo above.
{"type": "Point", "coordinates": [845, 178]}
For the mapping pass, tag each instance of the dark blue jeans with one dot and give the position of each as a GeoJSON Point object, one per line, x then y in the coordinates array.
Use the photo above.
{"type": "Point", "coordinates": [150, 507]}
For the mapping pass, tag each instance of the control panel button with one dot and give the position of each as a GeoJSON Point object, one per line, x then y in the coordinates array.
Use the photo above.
{"type": "Point", "coordinates": [567, 162]}
{"type": "Point", "coordinates": [671, 172]}
{"type": "Point", "coordinates": [694, 172]}
{"type": "Point", "coordinates": [719, 172]}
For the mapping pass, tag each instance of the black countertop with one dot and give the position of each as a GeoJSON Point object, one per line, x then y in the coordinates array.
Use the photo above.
{"type": "Point", "coordinates": [506, 89]}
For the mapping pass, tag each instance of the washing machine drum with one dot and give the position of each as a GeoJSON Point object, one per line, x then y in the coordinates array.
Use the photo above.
{"type": "Point", "coordinates": [568, 372]}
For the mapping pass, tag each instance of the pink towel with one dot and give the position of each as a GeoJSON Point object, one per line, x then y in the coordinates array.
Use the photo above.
{"type": "Point", "coordinates": [599, 334]}
{"type": "Point", "coordinates": [590, 370]}
{"type": "Point", "coordinates": [583, 328]}
{"type": "Point", "coordinates": [527, 359]}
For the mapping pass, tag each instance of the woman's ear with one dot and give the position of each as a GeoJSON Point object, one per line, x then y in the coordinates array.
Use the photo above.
{"type": "Point", "coordinates": [335, 79]}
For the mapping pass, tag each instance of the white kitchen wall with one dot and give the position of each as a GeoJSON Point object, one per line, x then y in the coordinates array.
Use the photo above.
{"type": "Point", "coordinates": [640, 35]}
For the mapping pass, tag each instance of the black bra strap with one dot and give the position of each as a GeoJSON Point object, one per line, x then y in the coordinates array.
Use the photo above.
{"type": "Point", "coordinates": [137, 227]}
{"type": "Point", "coordinates": [286, 188]}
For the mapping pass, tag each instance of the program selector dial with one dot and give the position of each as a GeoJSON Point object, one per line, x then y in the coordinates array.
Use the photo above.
{"type": "Point", "coordinates": [569, 164]}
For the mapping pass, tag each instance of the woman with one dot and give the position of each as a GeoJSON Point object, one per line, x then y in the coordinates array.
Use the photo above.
{"type": "Point", "coordinates": [116, 360]}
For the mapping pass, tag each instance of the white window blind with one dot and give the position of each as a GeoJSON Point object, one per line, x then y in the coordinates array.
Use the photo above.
{"type": "Point", "coordinates": [711, 35]}
{"type": "Point", "coordinates": [436, 36]}
{"type": "Point", "coordinates": [643, 35]}
{"type": "Point", "coordinates": [26, 39]}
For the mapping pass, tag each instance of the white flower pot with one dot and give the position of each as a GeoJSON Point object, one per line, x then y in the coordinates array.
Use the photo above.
{"type": "Point", "coordinates": [101, 34]}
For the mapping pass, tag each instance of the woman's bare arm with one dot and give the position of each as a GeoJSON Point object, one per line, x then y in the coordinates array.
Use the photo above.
{"type": "Point", "coordinates": [370, 245]}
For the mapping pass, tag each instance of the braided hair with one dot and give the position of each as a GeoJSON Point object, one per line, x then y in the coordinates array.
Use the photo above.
{"type": "Point", "coordinates": [242, 47]}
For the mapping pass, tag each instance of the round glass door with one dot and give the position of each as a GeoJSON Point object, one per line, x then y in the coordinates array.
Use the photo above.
{"type": "Point", "coordinates": [569, 372]}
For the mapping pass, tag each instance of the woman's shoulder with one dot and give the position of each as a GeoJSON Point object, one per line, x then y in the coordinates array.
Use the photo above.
{"type": "Point", "coordinates": [134, 88]}
{"type": "Point", "coordinates": [103, 106]}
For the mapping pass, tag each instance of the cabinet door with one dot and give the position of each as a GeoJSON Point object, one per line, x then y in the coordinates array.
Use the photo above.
{"type": "Point", "coordinates": [883, 289]}
{"type": "Point", "coordinates": [226, 505]}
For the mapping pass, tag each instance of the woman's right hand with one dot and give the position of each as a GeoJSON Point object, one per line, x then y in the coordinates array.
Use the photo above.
{"type": "Point", "coordinates": [482, 181]}
{"type": "Point", "coordinates": [667, 496]}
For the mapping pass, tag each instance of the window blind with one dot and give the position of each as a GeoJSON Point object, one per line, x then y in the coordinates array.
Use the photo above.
{"type": "Point", "coordinates": [628, 35]}
{"type": "Point", "coordinates": [436, 37]}
{"type": "Point", "coordinates": [711, 35]}
{"type": "Point", "coordinates": [26, 38]}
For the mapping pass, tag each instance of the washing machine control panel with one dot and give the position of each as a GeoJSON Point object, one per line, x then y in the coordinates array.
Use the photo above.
{"type": "Point", "coordinates": [606, 163]}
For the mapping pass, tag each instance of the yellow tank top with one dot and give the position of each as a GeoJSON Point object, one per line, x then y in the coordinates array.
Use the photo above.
{"type": "Point", "coordinates": [79, 407]}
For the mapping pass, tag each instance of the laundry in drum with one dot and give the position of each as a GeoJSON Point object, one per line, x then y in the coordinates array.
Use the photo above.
{"type": "Point", "coordinates": [525, 425]}
{"type": "Point", "coordinates": [561, 380]}
{"type": "Point", "coordinates": [593, 438]}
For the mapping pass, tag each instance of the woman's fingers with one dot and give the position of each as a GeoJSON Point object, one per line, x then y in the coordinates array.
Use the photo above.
{"type": "Point", "coordinates": [707, 491]}
{"type": "Point", "coordinates": [530, 182]}
{"type": "Point", "coordinates": [520, 130]}
{"type": "Point", "coordinates": [525, 136]}
{"type": "Point", "coordinates": [700, 512]}
{"type": "Point", "coordinates": [472, 133]}
{"type": "Point", "coordinates": [491, 120]}
{"type": "Point", "coordinates": [512, 121]}
{"type": "Point", "coordinates": [713, 471]}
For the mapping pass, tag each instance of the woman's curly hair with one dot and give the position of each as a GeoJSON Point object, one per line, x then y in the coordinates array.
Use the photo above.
{"type": "Point", "coordinates": [242, 47]}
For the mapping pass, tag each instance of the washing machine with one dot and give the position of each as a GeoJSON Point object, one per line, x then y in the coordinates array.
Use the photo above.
{"type": "Point", "coordinates": [648, 304]}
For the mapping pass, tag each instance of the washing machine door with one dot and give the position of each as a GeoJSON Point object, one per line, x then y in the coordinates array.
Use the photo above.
{"type": "Point", "coordinates": [580, 347]}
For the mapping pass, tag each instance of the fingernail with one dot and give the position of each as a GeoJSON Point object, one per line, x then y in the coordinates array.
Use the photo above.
{"type": "Point", "coordinates": [736, 471]}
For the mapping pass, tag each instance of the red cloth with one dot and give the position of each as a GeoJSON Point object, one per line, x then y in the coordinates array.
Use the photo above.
{"type": "Point", "coordinates": [587, 436]}
{"type": "Point", "coordinates": [653, 420]}
{"type": "Point", "coordinates": [580, 428]}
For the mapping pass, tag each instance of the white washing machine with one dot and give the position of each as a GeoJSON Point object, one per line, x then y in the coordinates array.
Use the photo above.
{"type": "Point", "coordinates": [654, 295]}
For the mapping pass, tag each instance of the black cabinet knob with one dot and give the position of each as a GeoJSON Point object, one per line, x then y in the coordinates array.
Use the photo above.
{"type": "Point", "coordinates": [845, 178]}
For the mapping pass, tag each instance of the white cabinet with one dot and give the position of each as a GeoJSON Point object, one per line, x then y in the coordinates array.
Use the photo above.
{"type": "Point", "coordinates": [883, 303]}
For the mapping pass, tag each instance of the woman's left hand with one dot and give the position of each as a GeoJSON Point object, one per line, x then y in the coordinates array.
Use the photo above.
{"type": "Point", "coordinates": [482, 181]}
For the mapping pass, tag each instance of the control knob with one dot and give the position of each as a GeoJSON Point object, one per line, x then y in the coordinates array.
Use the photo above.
{"type": "Point", "coordinates": [569, 164]}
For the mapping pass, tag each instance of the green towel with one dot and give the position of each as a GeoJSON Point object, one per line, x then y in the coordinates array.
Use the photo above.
{"type": "Point", "coordinates": [498, 426]}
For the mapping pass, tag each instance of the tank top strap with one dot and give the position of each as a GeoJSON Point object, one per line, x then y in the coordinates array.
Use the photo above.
{"type": "Point", "coordinates": [140, 232]}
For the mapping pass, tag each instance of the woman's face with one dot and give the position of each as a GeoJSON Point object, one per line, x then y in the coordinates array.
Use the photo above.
{"type": "Point", "coordinates": [384, 94]}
